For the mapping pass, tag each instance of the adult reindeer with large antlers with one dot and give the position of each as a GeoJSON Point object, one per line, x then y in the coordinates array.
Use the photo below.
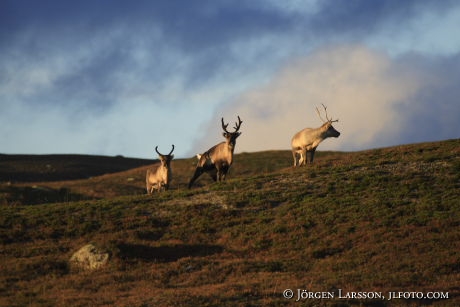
{"type": "Point", "coordinates": [308, 139]}
{"type": "Point", "coordinates": [218, 159]}
{"type": "Point", "coordinates": [161, 177]}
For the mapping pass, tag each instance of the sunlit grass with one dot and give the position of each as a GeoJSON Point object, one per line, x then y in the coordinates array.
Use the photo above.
{"type": "Point", "coordinates": [379, 220]}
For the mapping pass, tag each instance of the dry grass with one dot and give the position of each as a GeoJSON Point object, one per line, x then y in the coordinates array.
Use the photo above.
{"type": "Point", "coordinates": [378, 220]}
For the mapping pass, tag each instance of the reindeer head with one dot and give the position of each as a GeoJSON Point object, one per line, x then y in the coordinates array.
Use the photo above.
{"type": "Point", "coordinates": [232, 136]}
{"type": "Point", "coordinates": [165, 159]}
{"type": "Point", "coordinates": [327, 127]}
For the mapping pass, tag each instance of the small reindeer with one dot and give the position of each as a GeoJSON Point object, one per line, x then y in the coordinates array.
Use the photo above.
{"type": "Point", "coordinates": [218, 159]}
{"type": "Point", "coordinates": [308, 139]}
{"type": "Point", "coordinates": [160, 178]}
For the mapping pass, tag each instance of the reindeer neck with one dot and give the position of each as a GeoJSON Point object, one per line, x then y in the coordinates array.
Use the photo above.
{"type": "Point", "coordinates": [321, 133]}
{"type": "Point", "coordinates": [230, 147]}
{"type": "Point", "coordinates": [164, 166]}
{"type": "Point", "coordinates": [165, 169]}
{"type": "Point", "coordinates": [224, 147]}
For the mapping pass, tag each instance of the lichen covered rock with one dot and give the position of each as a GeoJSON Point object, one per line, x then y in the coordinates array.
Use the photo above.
{"type": "Point", "coordinates": [89, 257]}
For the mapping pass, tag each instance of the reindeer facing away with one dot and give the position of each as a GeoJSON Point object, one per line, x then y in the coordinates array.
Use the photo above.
{"type": "Point", "coordinates": [160, 178]}
{"type": "Point", "coordinates": [218, 159]}
{"type": "Point", "coordinates": [308, 139]}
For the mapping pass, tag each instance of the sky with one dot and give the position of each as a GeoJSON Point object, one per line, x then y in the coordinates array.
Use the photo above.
{"type": "Point", "coordinates": [113, 77]}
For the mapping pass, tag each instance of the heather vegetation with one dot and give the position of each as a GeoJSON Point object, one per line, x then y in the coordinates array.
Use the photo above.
{"type": "Point", "coordinates": [380, 220]}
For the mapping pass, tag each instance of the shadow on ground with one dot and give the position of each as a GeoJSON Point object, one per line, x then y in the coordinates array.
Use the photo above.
{"type": "Point", "coordinates": [166, 253]}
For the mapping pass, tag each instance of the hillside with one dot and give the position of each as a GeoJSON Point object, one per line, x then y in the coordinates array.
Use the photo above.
{"type": "Point", "coordinates": [44, 168]}
{"type": "Point", "coordinates": [380, 221]}
{"type": "Point", "coordinates": [111, 182]}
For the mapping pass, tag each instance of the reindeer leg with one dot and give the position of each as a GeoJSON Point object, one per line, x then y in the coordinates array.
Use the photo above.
{"type": "Point", "coordinates": [214, 175]}
{"type": "Point", "coordinates": [198, 172]}
{"type": "Point", "coordinates": [224, 172]}
{"type": "Point", "coordinates": [148, 189]}
{"type": "Point", "coordinates": [218, 175]}
{"type": "Point", "coordinates": [300, 163]}
{"type": "Point", "coordinates": [294, 157]}
{"type": "Point", "coordinates": [147, 184]}
{"type": "Point", "coordinates": [303, 157]}
{"type": "Point", "coordinates": [312, 155]}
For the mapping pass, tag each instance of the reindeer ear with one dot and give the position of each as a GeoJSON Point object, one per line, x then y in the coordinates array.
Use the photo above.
{"type": "Point", "coordinates": [224, 134]}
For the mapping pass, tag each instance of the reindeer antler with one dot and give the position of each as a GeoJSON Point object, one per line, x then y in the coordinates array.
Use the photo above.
{"type": "Point", "coordinates": [325, 111]}
{"type": "Point", "coordinates": [237, 125]}
{"type": "Point", "coordinates": [319, 114]}
{"type": "Point", "coordinates": [156, 149]}
{"type": "Point", "coordinates": [224, 126]}
{"type": "Point", "coordinates": [171, 150]}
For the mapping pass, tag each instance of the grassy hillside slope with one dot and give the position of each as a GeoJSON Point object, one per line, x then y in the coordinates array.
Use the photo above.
{"type": "Point", "coordinates": [131, 181]}
{"type": "Point", "coordinates": [37, 179]}
{"type": "Point", "coordinates": [380, 220]}
{"type": "Point", "coordinates": [44, 168]}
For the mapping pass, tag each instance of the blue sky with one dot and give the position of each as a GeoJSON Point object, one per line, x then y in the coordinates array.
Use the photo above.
{"type": "Point", "coordinates": [121, 77]}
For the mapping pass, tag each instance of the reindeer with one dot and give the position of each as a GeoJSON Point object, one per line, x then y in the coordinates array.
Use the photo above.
{"type": "Point", "coordinates": [161, 177]}
{"type": "Point", "coordinates": [218, 159]}
{"type": "Point", "coordinates": [308, 139]}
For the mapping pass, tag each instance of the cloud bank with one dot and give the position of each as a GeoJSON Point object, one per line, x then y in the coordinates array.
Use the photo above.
{"type": "Point", "coordinates": [379, 101]}
{"type": "Point", "coordinates": [112, 77]}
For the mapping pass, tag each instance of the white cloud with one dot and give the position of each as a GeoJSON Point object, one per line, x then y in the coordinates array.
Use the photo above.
{"type": "Point", "coordinates": [361, 87]}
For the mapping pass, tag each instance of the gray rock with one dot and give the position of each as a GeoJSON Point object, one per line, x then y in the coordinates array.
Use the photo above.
{"type": "Point", "coordinates": [89, 257]}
